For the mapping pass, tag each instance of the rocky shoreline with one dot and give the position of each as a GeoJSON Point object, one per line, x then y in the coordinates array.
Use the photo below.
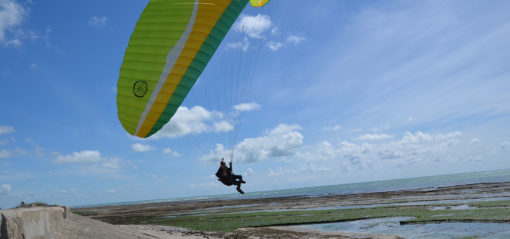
{"type": "Point", "coordinates": [126, 221]}
{"type": "Point", "coordinates": [124, 215]}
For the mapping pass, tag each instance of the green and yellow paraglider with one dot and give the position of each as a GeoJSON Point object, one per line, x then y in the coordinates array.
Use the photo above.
{"type": "Point", "coordinates": [172, 43]}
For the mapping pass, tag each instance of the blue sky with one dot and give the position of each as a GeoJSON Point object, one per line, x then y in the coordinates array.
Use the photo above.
{"type": "Point", "coordinates": [306, 94]}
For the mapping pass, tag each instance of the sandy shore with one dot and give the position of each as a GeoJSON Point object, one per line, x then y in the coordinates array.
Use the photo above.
{"type": "Point", "coordinates": [121, 215]}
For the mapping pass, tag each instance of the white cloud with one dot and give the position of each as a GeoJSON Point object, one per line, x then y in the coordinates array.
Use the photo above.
{"type": "Point", "coordinates": [4, 153]}
{"type": "Point", "coordinates": [280, 172]}
{"type": "Point", "coordinates": [275, 31]}
{"type": "Point", "coordinates": [171, 152]}
{"type": "Point", "coordinates": [418, 137]}
{"type": "Point", "coordinates": [186, 121]}
{"type": "Point", "coordinates": [374, 137]}
{"type": "Point", "coordinates": [193, 121]}
{"type": "Point", "coordinates": [223, 126]}
{"type": "Point", "coordinates": [10, 175]}
{"type": "Point", "coordinates": [281, 141]}
{"type": "Point", "coordinates": [33, 66]}
{"type": "Point", "coordinates": [12, 15]}
{"type": "Point", "coordinates": [85, 156]}
{"type": "Point", "coordinates": [332, 128]}
{"type": "Point", "coordinates": [248, 172]}
{"type": "Point", "coordinates": [15, 42]}
{"type": "Point", "coordinates": [295, 39]}
{"type": "Point", "coordinates": [274, 46]}
{"type": "Point", "coordinates": [411, 148]}
{"type": "Point", "coordinates": [243, 44]}
{"type": "Point", "coordinates": [311, 168]}
{"type": "Point", "coordinates": [111, 190]}
{"type": "Point", "coordinates": [474, 141]}
{"type": "Point", "coordinates": [6, 129]}
{"type": "Point", "coordinates": [91, 161]}
{"type": "Point", "coordinates": [505, 145]}
{"type": "Point", "coordinates": [5, 189]}
{"type": "Point", "coordinates": [112, 163]}
{"type": "Point", "coordinates": [98, 22]}
{"type": "Point", "coordinates": [138, 147]}
{"type": "Point", "coordinates": [325, 150]}
{"type": "Point", "coordinates": [254, 26]}
{"type": "Point", "coordinates": [247, 107]}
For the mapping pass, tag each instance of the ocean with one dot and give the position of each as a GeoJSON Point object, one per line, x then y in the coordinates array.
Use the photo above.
{"type": "Point", "coordinates": [351, 188]}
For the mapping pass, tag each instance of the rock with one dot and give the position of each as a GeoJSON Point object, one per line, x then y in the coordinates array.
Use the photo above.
{"type": "Point", "coordinates": [35, 222]}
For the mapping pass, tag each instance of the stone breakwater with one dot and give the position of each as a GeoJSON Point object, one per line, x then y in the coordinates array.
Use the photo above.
{"type": "Point", "coordinates": [57, 222]}
{"type": "Point", "coordinates": [34, 222]}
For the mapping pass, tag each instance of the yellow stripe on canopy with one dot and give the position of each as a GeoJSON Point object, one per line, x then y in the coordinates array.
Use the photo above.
{"type": "Point", "coordinates": [208, 15]}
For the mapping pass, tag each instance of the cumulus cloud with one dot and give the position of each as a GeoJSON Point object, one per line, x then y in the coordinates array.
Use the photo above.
{"type": "Point", "coordinates": [253, 26]}
{"type": "Point", "coordinates": [171, 152]}
{"type": "Point", "coordinates": [281, 141]}
{"type": "Point", "coordinates": [274, 46]}
{"type": "Point", "coordinates": [295, 39]}
{"type": "Point", "coordinates": [410, 149]}
{"type": "Point", "coordinates": [332, 128]}
{"type": "Point", "coordinates": [5, 189]}
{"type": "Point", "coordinates": [193, 121]}
{"type": "Point", "coordinates": [275, 31]}
{"type": "Point", "coordinates": [418, 137]}
{"type": "Point", "coordinates": [6, 129]}
{"type": "Point", "coordinates": [85, 156]}
{"type": "Point", "coordinates": [138, 147]}
{"type": "Point", "coordinates": [311, 168]}
{"type": "Point", "coordinates": [4, 153]}
{"type": "Point", "coordinates": [243, 107]}
{"type": "Point", "coordinates": [374, 137]}
{"type": "Point", "coordinates": [244, 44]}
{"type": "Point", "coordinates": [91, 161]}
{"type": "Point", "coordinates": [280, 172]}
{"type": "Point", "coordinates": [248, 172]}
{"type": "Point", "coordinates": [98, 22]}
{"type": "Point", "coordinates": [474, 141]}
{"type": "Point", "coordinates": [12, 14]}
{"type": "Point", "coordinates": [223, 126]}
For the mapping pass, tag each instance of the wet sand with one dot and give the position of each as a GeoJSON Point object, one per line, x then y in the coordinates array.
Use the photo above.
{"type": "Point", "coordinates": [124, 215]}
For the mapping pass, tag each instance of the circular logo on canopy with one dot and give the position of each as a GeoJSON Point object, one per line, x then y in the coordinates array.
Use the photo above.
{"type": "Point", "coordinates": [140, 88]}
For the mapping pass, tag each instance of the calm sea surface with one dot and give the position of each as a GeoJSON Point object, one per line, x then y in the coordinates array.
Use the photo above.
{"type": "Point", "coordinates": [376, 186]}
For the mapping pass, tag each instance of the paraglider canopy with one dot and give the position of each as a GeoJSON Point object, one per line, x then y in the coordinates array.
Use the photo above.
{"type": "Point", "coordinates": [171, 45]}
{"type": "Point", "coordinates": [258, 3]}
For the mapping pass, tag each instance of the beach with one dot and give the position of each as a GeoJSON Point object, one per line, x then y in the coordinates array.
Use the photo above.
{"type": "Point", "coordinates": [287, 217]}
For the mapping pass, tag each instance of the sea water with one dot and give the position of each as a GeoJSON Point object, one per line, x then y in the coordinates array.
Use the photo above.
{"type": "Point", "coordinates": [391, 226]}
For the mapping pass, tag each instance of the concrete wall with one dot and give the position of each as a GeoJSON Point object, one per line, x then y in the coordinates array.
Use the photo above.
{"type": "Point", "coordinates": [34, 222]}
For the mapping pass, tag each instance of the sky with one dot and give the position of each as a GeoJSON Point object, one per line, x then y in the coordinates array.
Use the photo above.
{"type": "Point", "coordinates": [303, 93]}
